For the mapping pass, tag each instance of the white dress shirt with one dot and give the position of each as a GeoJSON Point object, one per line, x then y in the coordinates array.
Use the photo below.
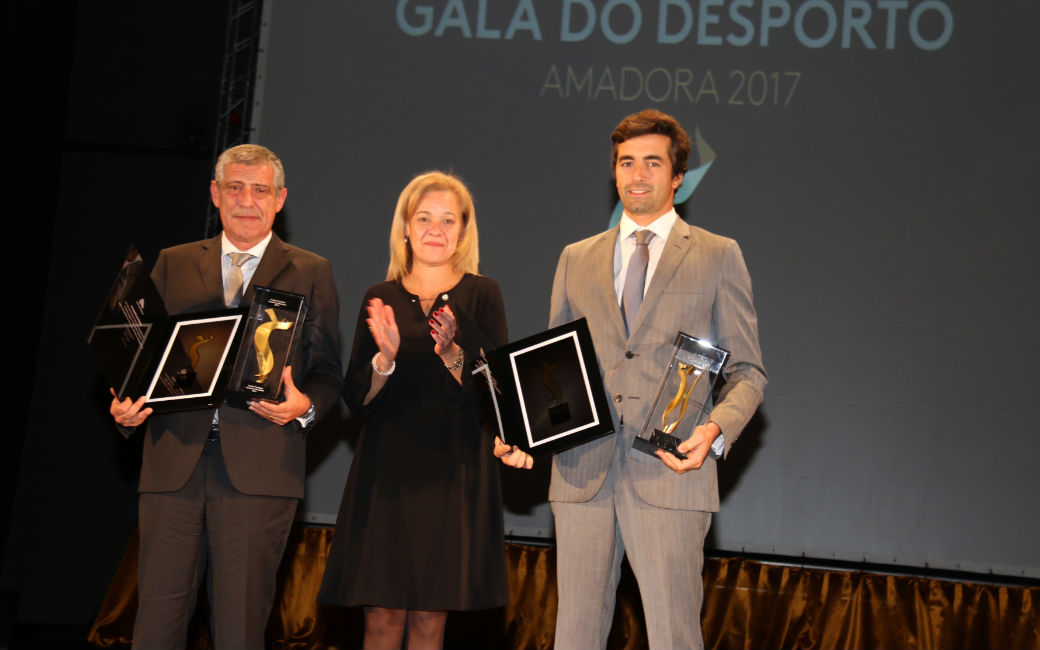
{"type": "Point", "coordinates": [249, 266]}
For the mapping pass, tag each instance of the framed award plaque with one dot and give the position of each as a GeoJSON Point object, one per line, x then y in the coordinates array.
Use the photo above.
{"type": "Point", "coordinates": [545, 392]}
{"type": "Point", "coordinates": [192, 367]}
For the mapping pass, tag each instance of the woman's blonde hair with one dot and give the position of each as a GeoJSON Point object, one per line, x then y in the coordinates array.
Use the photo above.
{"type": "Point", "coordinates": [467, 255]}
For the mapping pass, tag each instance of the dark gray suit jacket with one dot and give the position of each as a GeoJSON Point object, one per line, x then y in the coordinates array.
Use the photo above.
{"type": "Point", "coordinates": [261, 457]}
{"type": "Point", "coordinates": [701, 286]}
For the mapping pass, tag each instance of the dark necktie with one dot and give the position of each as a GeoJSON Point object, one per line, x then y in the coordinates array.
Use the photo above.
{"type": "Point", "coordinates": [635, 279]}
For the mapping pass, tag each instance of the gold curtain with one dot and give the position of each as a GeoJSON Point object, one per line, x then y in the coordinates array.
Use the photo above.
{"type": "Point", "coordinates": [747, 604]}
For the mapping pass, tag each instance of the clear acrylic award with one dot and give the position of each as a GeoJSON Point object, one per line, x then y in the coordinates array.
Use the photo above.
{"type": "Point", "coordinates": [683, 397]}
{"type": "Point", "coordinates": [269, 342]}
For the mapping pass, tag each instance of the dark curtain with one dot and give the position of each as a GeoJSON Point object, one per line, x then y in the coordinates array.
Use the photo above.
{"type": "Point", "coordinates": [747, 604]}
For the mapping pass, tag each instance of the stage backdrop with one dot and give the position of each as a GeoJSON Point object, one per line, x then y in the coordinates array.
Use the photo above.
{"type": "Point", "coordinates": [877, 160]}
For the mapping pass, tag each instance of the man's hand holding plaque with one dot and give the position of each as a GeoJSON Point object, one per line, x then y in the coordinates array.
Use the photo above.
{"type": "Point", "coordinates": [128, 413]}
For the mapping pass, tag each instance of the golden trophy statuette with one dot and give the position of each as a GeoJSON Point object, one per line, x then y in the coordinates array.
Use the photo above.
{"type": "Point", "coordinates": [682, 395]}
{"type": "Point", "coordinates": [261, 343]}
{"type": "Point", "coordinates": [193, 351]}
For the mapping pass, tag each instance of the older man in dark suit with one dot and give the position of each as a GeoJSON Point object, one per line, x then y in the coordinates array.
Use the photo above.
{"type": "Point", "coordinates": [638, 284]}
{"type": "Point", "coordinates": [223, 486]}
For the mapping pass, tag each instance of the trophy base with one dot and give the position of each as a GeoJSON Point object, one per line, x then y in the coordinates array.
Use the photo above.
{"type": "Point", "coordinates": [250, 393]}
{"type": "Point", "coordinates": [559, 414]}
{"type": "Point", "coordinates": [659, 440]}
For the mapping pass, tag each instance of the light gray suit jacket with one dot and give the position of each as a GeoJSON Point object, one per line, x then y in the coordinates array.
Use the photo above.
{"type": "Point", "coordinates": [701, 286]}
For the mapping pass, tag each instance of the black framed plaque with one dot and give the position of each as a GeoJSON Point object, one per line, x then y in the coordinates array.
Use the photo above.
{"type": "Point", "coordinates": [545, 392]}
{"type": "Point", "coordinates": [128, 327]}
{"type": "Point", "coordinates": [176, 362]}
{"type": "Point", "coordinates": [683, 396]}
{"type": "Point", "coordinates": [192, 368]}
{"type": "Point", "coordinates": [269, 343]}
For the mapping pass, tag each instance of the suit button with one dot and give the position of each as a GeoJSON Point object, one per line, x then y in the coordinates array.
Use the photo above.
{"type": "Point", "coordinates": [617, 397]}
{"type": "Point", "coordinates": [629, 354]}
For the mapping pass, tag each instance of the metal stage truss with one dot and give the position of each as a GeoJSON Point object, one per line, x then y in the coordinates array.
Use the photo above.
{"type": "Point", "coordinates": [238, 85]}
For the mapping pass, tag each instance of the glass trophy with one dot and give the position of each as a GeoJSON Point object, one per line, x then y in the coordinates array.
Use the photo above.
{"type": "Point", "coordinates": [683, 397]}
{"type": "Point", "coordinates": [128, 328]}
{"type": "Point", "coordinates": [272, 334]}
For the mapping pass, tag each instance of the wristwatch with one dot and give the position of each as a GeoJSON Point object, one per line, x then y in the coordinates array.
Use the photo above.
{"type": "Point", "coordinates": [305, 421]}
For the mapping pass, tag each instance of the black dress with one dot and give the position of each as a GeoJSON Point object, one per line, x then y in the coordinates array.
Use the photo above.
{"type": "Point", "coordinates": [420, 525]}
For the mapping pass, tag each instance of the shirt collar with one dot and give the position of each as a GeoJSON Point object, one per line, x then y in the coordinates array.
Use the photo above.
{"type": "Point", "coordinates": [256, 251]}
{"type": "Point", "coordinates": [661, 226]}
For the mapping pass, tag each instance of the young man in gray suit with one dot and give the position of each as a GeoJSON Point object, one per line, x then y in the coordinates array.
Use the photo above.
{"type": "Point", "coordinates": [225, 484]}
{"type": "Point", "coordinates": [637, 290]}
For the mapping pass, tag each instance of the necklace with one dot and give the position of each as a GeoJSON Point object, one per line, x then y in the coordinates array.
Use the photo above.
{"type": "Point", "coordinates": [425, 304]}
{"type": "Point", "coordinates": [428, 299]}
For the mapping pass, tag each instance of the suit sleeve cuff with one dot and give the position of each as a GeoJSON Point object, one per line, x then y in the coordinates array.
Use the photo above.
{"type": "Point", "coordinates": [305, 421]}
{"type": "Point", "coordinates": [718, 447]}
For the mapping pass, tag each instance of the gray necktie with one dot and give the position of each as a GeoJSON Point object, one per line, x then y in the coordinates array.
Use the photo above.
{"type": "Point", "coordinates": [233, 286]}
{"type": "Point", "coordinates": [635, 280]}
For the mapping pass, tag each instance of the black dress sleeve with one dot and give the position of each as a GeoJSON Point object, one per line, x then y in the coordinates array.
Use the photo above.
{"type": "Point", "coordinates": [358, 379]}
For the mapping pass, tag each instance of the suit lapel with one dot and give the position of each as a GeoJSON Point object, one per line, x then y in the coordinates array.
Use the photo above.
{"type": "Point", "coordinates": [274, 261]}
{"type": "Point", "coordinates": [675, 250]}
{"type": "Point", "coordinates": [209, 269]}
{"type": "Point", "coordinates": [603, 277]}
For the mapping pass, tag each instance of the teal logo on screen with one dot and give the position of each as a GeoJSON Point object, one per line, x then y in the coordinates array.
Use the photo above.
{"type": "Point", "coordinates": [690, 181]}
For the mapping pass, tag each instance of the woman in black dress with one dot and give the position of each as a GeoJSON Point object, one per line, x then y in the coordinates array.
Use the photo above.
{"type": "Point", "coordinates": [420, 526]}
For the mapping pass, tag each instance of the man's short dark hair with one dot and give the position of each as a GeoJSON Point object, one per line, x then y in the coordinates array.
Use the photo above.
{"type": "Point", "coordinates": [650, 122]}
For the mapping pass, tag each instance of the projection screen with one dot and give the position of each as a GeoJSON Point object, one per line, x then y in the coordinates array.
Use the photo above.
{"type": "Point", "coordinates": [877, 161]}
